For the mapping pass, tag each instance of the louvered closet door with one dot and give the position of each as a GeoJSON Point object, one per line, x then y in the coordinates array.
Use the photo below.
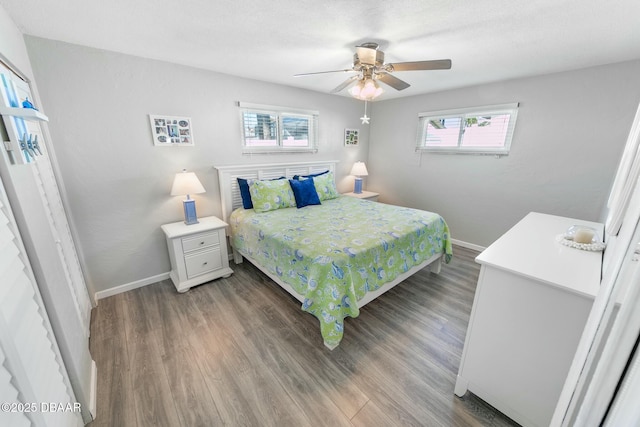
{"type": "Point", "coordinates": [52, 202]}
{"type": "Point", "coordinates": [31, 371]}
{"type": "Point", "coordinates": [8, 393]}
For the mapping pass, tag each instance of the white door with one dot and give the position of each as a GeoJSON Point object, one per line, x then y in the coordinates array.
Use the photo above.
{"type": "Point", "coordinates": [43, 173]}
{"type": "Point", "coordinates": [51, 200]}
{"type": "Point", "coordinates": [35, 196]}
{"type": "Point", "coordinates": [615, 349]}
{"type": "Point", "coordinates": [610, 334]}
{"type": "Point", "coordinates": [34, 387]}
{"type": "Point", "coordinates": [625, 410]}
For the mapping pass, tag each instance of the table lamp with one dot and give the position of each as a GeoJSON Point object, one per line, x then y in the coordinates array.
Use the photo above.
{"type": "Point", "coordinates": [186, 183]}
{"type": "Point", "coordinates": [359, 169]}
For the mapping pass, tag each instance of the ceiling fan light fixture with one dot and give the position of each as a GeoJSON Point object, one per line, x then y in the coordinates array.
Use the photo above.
{"type": "Point", "coordinates": [366, 90]}
{"type": "Point", "coordinates": [368, 63]}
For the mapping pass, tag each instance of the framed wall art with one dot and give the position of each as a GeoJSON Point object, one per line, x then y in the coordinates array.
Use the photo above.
{"type": "Point", "coordinates": [351, 137]}
{"type": "Point", "coordinates": [171, 131]}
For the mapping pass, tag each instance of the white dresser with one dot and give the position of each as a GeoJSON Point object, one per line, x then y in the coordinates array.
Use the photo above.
{"type": "Point", "coordinates": [531, 304]}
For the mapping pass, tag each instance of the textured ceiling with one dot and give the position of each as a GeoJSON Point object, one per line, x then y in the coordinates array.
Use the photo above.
{"type": "Point", "coordinates": [273, 40]}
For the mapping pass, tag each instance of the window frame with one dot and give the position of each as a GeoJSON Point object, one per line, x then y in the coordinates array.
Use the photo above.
{"type": "Point", "coordinates": [280, 113]}
{"type": "Point", "coordinates": [463, 114]}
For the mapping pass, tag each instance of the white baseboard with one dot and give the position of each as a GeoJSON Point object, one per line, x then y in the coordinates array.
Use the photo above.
{"type": "Point", "coordinates": [94, 390]}
{"type": "Point", "coordinates": [468, 245]}
{"type": "Point", "coordinates": [129, 286]}
{"type": "Point", "coordinates": [153, 279]}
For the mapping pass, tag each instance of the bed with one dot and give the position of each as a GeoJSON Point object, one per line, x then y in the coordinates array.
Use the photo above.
{"type": "Point", "coordinates": [336, 256]}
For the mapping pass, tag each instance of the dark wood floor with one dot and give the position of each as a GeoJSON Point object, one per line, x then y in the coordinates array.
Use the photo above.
{"type": "Point", "coordinates": [240, 352]}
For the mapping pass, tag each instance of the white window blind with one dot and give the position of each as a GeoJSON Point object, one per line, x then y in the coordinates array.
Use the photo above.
{"type": "Point", "coordinates": [477, 130]}
{"type": "Point", "coordinates": [267, 129]}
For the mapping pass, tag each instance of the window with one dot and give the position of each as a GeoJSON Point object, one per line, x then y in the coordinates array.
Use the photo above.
{"type": "Point", "coordinates": [268, 128]}
{"type": "Point", "coordinates": [478, 130]}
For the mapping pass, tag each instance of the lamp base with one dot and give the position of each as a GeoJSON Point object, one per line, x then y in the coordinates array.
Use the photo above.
{"type": "Point", "coordinates": [357, 186]}
{"type": "Point", "coordinates": [190, 216]}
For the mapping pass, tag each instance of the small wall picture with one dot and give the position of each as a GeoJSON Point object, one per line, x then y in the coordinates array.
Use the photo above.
{"type": "Point", "coordinates": [351, 137]}
{"type": "Point", "coordinates": [171, 131]}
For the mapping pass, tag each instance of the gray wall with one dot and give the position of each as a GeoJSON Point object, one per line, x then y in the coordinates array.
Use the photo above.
{"type": "Point", "coordinates": [569, 136]}
{"type": "Point", "coordinates": [570, 133]}
{"type": "Point", "coordinates": [117, 183]}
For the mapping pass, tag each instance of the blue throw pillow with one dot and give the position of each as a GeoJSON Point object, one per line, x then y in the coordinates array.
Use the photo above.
{"type": "Point", "coordinates": [244, 193]}
{"type": "Point", "coordinates": [244, 184]}
{"type": "Point", "coordinates": [305, 192]}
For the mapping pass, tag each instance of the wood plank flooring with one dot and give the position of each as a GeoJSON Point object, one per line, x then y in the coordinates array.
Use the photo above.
{"type": "Point", "coordinates": [240, 352]}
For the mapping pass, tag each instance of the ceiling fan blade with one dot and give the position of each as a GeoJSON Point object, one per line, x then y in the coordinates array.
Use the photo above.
{"type": "Point", "coordinates": [324, 72]}
{"type": "Point", "coordinates": [393, 81]}
{"type": "Point", "coordinates": [344, 84]}
{"type": "Point", "coordinates": [438, 64]}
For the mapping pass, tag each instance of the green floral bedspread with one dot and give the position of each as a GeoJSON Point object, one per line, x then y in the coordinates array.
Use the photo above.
{"type": "Point", "coordinates": [334, 253]}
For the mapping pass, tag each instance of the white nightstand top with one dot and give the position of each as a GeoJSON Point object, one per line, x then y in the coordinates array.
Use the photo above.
{"type": "Point", "coordinates": [363, 195]}
{"type": "Point", "coordinates": [178, 229]}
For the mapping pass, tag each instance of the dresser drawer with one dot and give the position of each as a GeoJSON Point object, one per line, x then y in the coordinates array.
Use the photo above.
{"type": "Point", "coordinates": [203, 262]}
{"type": "Point", "coordinates": [200, 241]}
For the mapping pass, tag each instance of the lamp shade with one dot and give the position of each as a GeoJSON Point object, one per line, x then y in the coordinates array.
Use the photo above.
{"type": "Point", "coordinates": [359, 169]}
{"type": "Point", "coordinates": [186, 183]}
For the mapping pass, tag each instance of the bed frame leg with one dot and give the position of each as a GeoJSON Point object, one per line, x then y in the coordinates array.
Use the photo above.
{"type": "Point", "coordinates": [437, 266]}
{"type": "Point", "coordinates": [237, 258]}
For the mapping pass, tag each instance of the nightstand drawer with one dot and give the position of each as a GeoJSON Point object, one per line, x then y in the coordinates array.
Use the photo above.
{"type": "Point", "coordinates": [200, 241]}
{"type": "Point", "coordinates": [202, 262]}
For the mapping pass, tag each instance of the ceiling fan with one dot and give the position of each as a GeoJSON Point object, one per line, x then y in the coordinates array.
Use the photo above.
{"type": "Point", "coordinates": [368, 63]}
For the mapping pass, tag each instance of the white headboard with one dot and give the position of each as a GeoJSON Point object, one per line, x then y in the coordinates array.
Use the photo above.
{"type": "Point", "coordinates": [228, 178]}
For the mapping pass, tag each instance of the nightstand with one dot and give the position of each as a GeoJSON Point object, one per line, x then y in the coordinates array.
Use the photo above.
{"type": "Point", "coordinates": [366, 195]}
{"type": "Point", "coordinates": [198, 252]}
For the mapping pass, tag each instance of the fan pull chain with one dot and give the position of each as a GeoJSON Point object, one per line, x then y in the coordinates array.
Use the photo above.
{"type": "Point", "coordinates": [365, 119]}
